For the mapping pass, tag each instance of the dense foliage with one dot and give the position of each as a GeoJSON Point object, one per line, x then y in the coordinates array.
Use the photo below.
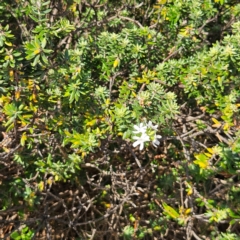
{"type": "Point", "coordinates": [80, 81]}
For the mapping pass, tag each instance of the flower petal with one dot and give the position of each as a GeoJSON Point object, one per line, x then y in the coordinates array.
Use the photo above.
{"type": "Point", "coordinates": [141, 146]}
{"type": "Point", "coordinates": [140, 129]}
{"type": "Point", "coordinates": [155, 143]}
{"type": "Point", "coordinates": [136, 137]}
{"type": "Point", "coordinates": [136, 143]}
{"type": "Point", "coordinates": [150, 125]}
{"type": "Point", "coordinates": [158, 136]}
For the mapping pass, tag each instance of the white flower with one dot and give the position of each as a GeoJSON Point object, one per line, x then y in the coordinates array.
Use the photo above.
{"type": "Point", "coordinates": [141, 140]}
{"type": "Point", "coordinates": [155, 141]}
{"type": "Point", "coordinates": [150, 125]}
{"type": "Point", "coordinates": [140, 129]}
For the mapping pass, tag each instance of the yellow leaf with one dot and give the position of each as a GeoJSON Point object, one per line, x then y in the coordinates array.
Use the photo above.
{"type": "Point", "coordinates": [143, 80]}
{"type": "Point", "coordinates": [203, 70]}
{"type": "Point", "coordinates": [116, 62]}
{"type": "Point", "coordinates": [37, 51]}
{"type": "Point", "coordinates": [170, 211]}
{"type": "Point", "coordinates": [208, 154]}
{"type": "Point", "coordinates": [133, 94]}
{"type": "Point", "coordinates": [84, 154]}
{"type": "Point", "coordinates": [17, 95]}
{"type": "Point", "coordinates": [157, 228]}
{"type": "Point", "coordinates": [216, 124]}
{"type": "Point", "coordinates": [91, 123]}
{"type": "Point", "coordinates": [210, 150]}
{"type": "Point", "coordinates": [30, 85]}
{"type": "Point", "coordinates": [187, 211]}
{"type": "Point", "coordinates": [50, 180]}
{"type": "Point", "coordinates": [4, 100]}
{"type": "Point", "coordinates": [202, 165]}
{"type": "Point", "coordinates": [189, 191]}
{"type": "Point", "coordinates": [59, 123]}
{"type": "Point", "coordinates": [8, 44]}
{"type": "Point", "coordinates": [73, 7]}
{"type": "Point", "coordinates": [226, 126]}
{"type": "Point", "coordinates": [215, 120]}
{"type": "Point", "coordinates": [162, 1]}
{"type": "Point", "coordinates": [34, 97]}
{"type": "Point", "coordinates": [184, 212]}
{"type": "Point", "coordinates": [41, 186]}
{"type": "Point", "coordinates": [98, 131]}
{"type": "Point", "coordinates": [32, 194]}
{"type": "Point", "coordinates": [107, 102]}
{"type": "Point", "coordinates": [201, 160]}
{"type": "Point", "coordinates": [68, 134]}
{"type": "Point", "coordinates": [56, 178]}
{"type": "Point", "coordinates": [23, 139]}
{"type": "Point", "coordinates": [107, 205]}
{"type": "Point", "coordinates": [11, 73]}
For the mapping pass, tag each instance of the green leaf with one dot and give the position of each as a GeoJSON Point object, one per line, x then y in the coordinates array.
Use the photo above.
{"type": "Point", "coordinates": [15, 235]}
{"type": "Point", "coordinates": [36, 60]}
{"type": "Point", "coordinates": [44, 58]}
{"type": "Point", "coordinates": [33, 18]}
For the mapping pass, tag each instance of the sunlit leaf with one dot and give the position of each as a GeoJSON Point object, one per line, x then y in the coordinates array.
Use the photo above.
{"type": "Point", "coordinates": [170, 211]}
{"type": "Point", "coordinates": [23, 139]}
{"type": "Point", "coordinates": [201, 160]}
{"type": "Point", "coordinates": [41, 186]}
{"type": "Point", "coordinates": [162, 1]}
{"type": "Point", "coordinates": [116, 63]}
{"type": "Point", "coordinates": [216, 124]}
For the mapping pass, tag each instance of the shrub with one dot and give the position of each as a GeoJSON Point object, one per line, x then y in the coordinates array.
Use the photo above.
{"type": "Point", "coordinates": [83, 83]}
